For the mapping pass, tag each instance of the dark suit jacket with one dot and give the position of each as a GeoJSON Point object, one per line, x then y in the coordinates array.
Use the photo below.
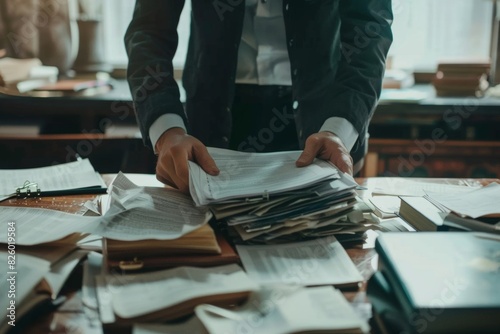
{"type": "Point", "coordinates": [337, 51]}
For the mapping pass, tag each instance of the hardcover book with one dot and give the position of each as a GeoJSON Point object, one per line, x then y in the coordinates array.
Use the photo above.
{"type": "Point", "coordinates": [445, 282]}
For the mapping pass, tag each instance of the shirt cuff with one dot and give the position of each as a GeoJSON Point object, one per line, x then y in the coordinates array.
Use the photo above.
{"type": "Point", "coordinates": [343, 129]}
{"type": "Point", "coordinates": [162, 124]}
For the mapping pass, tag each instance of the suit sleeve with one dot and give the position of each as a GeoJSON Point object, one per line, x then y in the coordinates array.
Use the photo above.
{"type": "Point", "coordinates": [366, 36]}
{"type": "Point", "coordinates": [151, 41]}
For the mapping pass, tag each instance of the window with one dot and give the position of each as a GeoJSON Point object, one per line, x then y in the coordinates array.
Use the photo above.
{"type": "Point", "coordinates": [117, 16]}
{"type": "Point", "coordinates": [425, 31]}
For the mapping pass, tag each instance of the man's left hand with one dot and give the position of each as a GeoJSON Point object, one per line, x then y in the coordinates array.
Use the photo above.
{"type": "Point", "coordinates": [327, 146]}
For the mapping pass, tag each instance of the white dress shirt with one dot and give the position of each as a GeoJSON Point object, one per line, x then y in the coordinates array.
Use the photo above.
{"type": "Point", "coordinates": [263, 60]}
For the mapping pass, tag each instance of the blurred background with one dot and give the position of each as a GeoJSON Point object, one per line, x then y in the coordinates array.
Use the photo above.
{"type": "Point", "coordinates": [63, 64]}
{"type": "Point", "coordinates": [425, 31]}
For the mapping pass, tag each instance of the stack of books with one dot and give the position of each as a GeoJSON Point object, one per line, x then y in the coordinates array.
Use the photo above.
{"type": "Point", "coordinates": [461, 79]}
{"type": "Point", "coordinates": [264, 197]}
{"type": "Point", "coordinates": [436, 283]}
{"type": "Point", "coordinates": [23, 75]}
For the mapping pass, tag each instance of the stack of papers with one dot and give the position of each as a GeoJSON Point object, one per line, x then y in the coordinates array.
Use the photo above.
{"type": "Point", "coordinates": [264, 197]}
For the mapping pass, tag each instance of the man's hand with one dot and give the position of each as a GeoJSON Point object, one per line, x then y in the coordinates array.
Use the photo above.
{"type": "Point", "coordinates": [327, 146]}
{"type": "Point", "coordinates": [175, 148]}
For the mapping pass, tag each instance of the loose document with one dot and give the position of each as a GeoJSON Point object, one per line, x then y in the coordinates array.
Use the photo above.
{"type": "Point", "coordinates": [136, 213]}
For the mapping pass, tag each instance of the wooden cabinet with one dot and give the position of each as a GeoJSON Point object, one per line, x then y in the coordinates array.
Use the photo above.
{"type": "Point", "coordinates": [429, 137]}
{"type": "Point", "coordinates": [435, 137]}
{"type": "Point", "coordinates": [101, 127]}
{"type": "Point", "coordinates": [427, 158]}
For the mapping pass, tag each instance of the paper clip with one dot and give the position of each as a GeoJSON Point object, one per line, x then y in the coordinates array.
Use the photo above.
{"type": "Point", "coordinates": [25, 189]}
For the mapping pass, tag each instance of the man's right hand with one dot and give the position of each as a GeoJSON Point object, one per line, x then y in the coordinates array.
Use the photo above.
{"type": "Point", "coordinates": [175, 147]}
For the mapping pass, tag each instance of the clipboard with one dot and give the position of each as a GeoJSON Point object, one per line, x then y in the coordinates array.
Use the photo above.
{"type": "Point", "coordinates": [31, 189]}
{"type": "Point", "coordinates": [71, 178]}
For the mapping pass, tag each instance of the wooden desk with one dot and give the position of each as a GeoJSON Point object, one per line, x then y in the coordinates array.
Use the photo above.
{"type": "Point", "coordinates": [70, 317]}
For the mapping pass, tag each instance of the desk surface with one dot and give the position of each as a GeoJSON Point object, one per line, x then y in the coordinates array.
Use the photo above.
{"type": "Point", "coordinates": [421, 96]}
{"type": "Point", "coordinates": [70, 318]}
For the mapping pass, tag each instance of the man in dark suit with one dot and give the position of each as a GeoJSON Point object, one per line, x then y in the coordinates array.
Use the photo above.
{"type": "Point", "coordinates": [260, 75]}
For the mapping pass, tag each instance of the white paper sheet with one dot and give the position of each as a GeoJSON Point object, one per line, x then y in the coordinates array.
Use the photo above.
{"type": "Point", "coordinates": [317, 262]}
{"type": "Point", "coordinates": [478, 203]}
{"type": "Point", "coordinates": [92, 268]}
{"type": "Point", "coordinates": [284, 309]}
{"type": "Point", "coordinates": [60, 271]}
{"type": "Point", "coordinates": [254, 174]}
{"type": "Point", "coordinates": [35, 226]}
{"type": "Point", "coordinates": [405, 187]}
{"type": "Point", "coordinates": [139, 294]}
{"type": "Point", "coordinates": [136, 213]}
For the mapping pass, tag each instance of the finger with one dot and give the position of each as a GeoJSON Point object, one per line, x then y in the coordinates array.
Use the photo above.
{"type": "Point", "coordinates": [180, 173]}
{"type": "Point", "coordinates": [203, 158]}
{"type": "Point", "coordinates": [165, 172]}
{"type": "Point", "coordinates": [162, 173]}
{"type": "Point", "coordinates": [344, 163]}
{"type": "Point", "coordinates": [165, 179]}
{"type": "Point", "coordinates": [311, 149]}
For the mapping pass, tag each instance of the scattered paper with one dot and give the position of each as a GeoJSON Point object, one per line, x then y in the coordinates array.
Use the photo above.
{"type": "Point", "coordinates": [385, 206]}
{"type": "Point", "coordinates": [286, 309]}
{"type": "Point", "coordinates": [316, 262]}
{"type": "Point", "coordinates": [140, 294]}
{"type": "Point", "coordinates": [404, 187]}
{"type": "Point", "coordinates": [478, 203]}
{"type": "Point", "coordinates": [136, 213]}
